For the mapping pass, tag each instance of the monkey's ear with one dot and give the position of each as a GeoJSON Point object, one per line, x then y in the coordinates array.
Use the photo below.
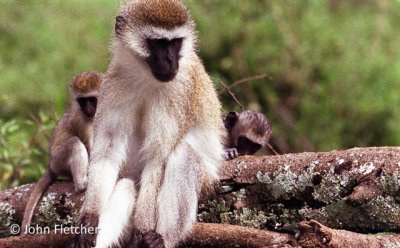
{"type": "Point", "coordinates": [120, 25]}
{"type": "Point", "coordinates": [231, 119]}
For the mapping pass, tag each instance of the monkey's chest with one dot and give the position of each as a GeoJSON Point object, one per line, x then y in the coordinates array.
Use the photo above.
{"type": "Point", "coordinates": [153, 135]}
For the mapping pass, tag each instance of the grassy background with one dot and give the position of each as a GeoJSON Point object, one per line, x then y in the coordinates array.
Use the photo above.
{"type": "Point", "coordinates": [333, 69]}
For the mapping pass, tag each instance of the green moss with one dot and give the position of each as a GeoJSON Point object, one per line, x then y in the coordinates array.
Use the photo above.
{"type": "Point", "coordinates": [219, 211]}
{"type": "Point", "coordinates": [239, 195]}
{"type": "Point", "coordinates": [334, 184]}
{"type": "Point", "coordinates": [7, 214]}
{"type": "Point", "coordinates": [250, 218]}
{"type": "Point", "coordinates": [54, 210]}
{"type": "Point", "coordinates": [384, 212]}
{"type": "Point", "coordinates": [286, 184]}
{"type": "Point", "coordinates": [390, 184]}
{"type": "Point", "coordinates": [281, 218]}
{"type": "Point", "coordinates": [381, 213]}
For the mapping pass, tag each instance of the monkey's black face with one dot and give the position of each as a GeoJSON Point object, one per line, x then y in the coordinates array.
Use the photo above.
{"type": "Point", "coordinates": [247, 147]}
{"type": "Point", "coordinates": [164, 58]}
{"type": "Point", "coordinates": [88, 105]}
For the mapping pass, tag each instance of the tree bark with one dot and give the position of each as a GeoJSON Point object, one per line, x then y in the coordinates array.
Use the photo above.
{"type": "Point", "coordinates": [313, 234]}
{"type": "Point", "coordinates": [356, 189]}
{"type": "Point", "coordinates": [203, 235]}
{"type": "Point", "coordinates": [223, 235]}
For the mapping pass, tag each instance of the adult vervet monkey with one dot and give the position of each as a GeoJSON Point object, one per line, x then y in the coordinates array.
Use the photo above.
{"type": "Point", "coordinates": [70, 141]}
{"type": "Point", "coordinates": [157, 131]}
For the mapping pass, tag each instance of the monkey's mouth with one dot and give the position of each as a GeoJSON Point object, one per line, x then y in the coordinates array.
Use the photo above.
{"type": "Point", "coordinates": [246, 146]}
{"type": "Point", "coordinates": [164, 77]}
{"type": "Point", "coordinates": [163, 70]}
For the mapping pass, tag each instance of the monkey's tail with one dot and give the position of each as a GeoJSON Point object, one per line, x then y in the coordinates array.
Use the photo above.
{"type": "Point", "coordinates": [40, 187]}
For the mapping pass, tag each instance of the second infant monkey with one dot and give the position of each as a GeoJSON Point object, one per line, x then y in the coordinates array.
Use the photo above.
{"type": "Point", "coordinates": [70, 141]}
{"type": "Point", "coordinates": [247, 132]}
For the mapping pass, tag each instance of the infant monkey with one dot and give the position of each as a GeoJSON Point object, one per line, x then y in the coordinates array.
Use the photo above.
{"type": "Point", "coordinates": [248, 131]}
{"type": "Point", "coordinates": [71, 140]}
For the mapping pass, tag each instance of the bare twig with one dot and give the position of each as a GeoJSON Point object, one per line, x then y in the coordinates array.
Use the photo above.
{"type": "Point", "coordinates": [241, 81]}
{"type": "Point", "coordinates": [272, 149]}
{"type": "Point", "coordinates": [248, 79]}
{"type": "Point", "coordinates": [232, 95]}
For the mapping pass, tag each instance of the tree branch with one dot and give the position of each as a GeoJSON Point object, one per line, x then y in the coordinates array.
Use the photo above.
{"type": "Point", "coordinates": [248, 79]}
{"type": "Point", "coordinates": [222, 235]}
{"type": "Point", "coordinates": [313, 234]}
{"type": "Point", "coordinates": [203, 235]}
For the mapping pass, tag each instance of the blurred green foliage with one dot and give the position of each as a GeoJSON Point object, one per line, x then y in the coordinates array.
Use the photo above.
{"type": "Point", "coordinates": [23, 148]}
{"type": "Point", "coordinates": [332, 66]}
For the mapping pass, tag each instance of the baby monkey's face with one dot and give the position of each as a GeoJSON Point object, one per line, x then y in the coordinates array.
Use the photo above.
{"type": "Point", "coordinates": [88, 105]}
{"type": "Point", "coordinates": [247, 147]}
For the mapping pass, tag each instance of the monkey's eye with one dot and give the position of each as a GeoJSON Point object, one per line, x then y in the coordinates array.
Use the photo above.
{"type": "Point", "coordinates": [176, 44]}
{"type": "Point", "coordinates": [246, 147]}
{"type": "Point", "coordinates": [88, 105]}
{"type": "Point", "coordinates": [156, 43]}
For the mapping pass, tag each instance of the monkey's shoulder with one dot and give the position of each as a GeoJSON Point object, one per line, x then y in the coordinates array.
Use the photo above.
{"type": "Point", "coordinates": [71, 124]}
{"type": "Point", "coordinates": [204, 98]}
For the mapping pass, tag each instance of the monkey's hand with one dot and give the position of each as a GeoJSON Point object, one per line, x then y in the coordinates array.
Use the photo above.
{"type": "Point", "coordinates": [148, 239]}
{"type": "Point", "coordinates": [231, 153]}
{"type": "Point", "coordinates": [87, 239]}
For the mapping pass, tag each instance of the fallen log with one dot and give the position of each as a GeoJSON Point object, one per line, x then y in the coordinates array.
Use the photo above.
{"type": "Point", "coordinates": [356, 189]}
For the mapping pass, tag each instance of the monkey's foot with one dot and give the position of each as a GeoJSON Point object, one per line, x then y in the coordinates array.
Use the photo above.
{"type": "Point", "coordinates": [152, 239]}
{"type": "Point", "coordinates": [84, 241]}
{"type": "Point", "coordinates": [148, 239]}
{"type": "Point", "coordinates": [80, 187]}
{"type": "Point", "coordinates": [87, 240]}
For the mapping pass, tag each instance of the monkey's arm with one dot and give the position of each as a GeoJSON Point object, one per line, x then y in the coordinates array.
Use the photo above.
{"type": "Point", "coordinates": [69, 157]}
{"type": "Point", "coordinates": [192, 164]}
{"type": "Point", "coordinates": [108, 152]}
{"type": "Point", "coordinates": [177, 200]}
{"type": "Point", "coordinates": [151, 179]}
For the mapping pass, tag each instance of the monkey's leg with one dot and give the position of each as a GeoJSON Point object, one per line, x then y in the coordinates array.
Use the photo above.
{"type": "Point", "coordinates": [69, 157]}
{"type": "Point", "coordinates": [114, 221]}
{"type": "Point", "coordinates": [146, 207]}
{"type": "Point", "coordinates": [107, 155]}
{"type": "Point", "coordinates": [177, 200]}
{"type": "Point", "coordinates": [102, 178]}
{"type": "Point", "coordinates": [79, 162]}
